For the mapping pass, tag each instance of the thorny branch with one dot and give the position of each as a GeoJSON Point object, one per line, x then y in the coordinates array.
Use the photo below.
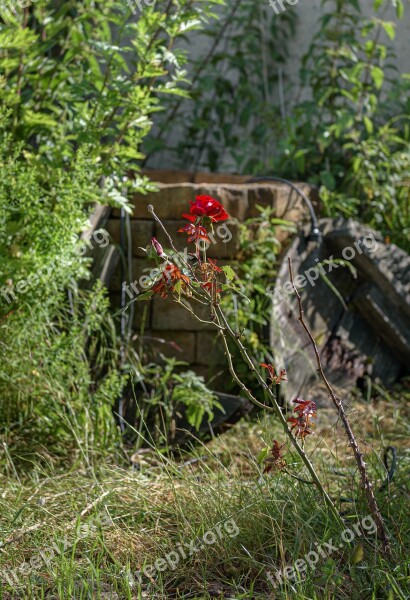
{"type": "Point", "coordinates": [366, 483]}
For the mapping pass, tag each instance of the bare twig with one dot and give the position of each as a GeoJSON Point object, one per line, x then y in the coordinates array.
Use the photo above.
{"type": "Point", "coordinates": [366, 483]}
{"type": "Point", "coordinates": [305, 459]}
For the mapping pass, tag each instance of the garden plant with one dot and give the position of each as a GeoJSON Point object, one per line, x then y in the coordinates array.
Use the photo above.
{"type": "Point", "coordinates": [199, 281]}
{"type": "Point", "coordinates": [124, 474]}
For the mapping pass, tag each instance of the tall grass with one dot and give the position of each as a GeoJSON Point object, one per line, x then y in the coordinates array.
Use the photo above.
{"type": "Point", "coordinates": [139, 515]}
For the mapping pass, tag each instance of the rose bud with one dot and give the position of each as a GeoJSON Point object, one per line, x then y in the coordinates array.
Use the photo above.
{"type": "Point", "coordinates": [158, 248]}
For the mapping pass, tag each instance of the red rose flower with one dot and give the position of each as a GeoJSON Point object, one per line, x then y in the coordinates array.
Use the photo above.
{"type": "Point", "coordinates": [206, 206]}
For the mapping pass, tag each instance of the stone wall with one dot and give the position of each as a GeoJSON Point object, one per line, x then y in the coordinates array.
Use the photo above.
{"type": "Point", "coordinates": [167, 327]}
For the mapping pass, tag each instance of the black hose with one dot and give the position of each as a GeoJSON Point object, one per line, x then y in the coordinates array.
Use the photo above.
{"type": "Point", "coordinates": [315, 233]}
{"type": "Point", "coordinates": [390, 468]}
{"type": "Point", "coordinates": [390, 450]}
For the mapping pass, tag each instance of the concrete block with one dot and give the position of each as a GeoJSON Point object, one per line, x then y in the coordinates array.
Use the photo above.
{"type": "Point", "coordinates": [169, 316]}
{"type": "Point", "coordinates": [141, 233]}
{"type": "Point", "coordinates": [209, 349]}
{"type": "Point", "coordinates": [178, 344]}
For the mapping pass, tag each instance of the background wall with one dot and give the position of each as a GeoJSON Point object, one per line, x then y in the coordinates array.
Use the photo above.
{"type": "Point", "coordinates": [161, 325]}
{"type": "Point", "coordinates": [308, 13]}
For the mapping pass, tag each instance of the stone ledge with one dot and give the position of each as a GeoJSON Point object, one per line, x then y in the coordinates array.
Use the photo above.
{"type": "Point", "coordinates": [240, 200]}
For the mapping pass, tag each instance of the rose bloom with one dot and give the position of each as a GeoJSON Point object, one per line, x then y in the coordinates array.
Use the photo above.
{"type": "Point", "coordinates": [206, 206]}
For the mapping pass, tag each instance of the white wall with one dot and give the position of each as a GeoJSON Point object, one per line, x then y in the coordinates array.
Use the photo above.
{"type": "Point", "coordinates": [308, 13]}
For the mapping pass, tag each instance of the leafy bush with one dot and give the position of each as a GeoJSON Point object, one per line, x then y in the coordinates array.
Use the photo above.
{"type": "Point", "coordinates": [58, 373]}
{"type": "Point", "coordinates": [170, 396]}
{"type": "Point", "coordinates": [351, 136]}
{"type": "Point", "coordinates": [85, 73]}
{"type": "Point", "coordinates": [79, 82]}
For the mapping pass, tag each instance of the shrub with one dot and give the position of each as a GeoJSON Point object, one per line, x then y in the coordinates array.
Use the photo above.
{"type": "Point", "coordinates": [79, 82]}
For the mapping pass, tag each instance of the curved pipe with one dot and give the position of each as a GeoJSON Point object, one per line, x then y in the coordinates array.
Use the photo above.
{"type": "Point", "coordinates": [314, 234]}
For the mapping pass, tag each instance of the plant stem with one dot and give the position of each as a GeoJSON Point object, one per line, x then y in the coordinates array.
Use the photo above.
{"type": "Point", "coordinates": [226, 330]}
{"type": "Point", "coordinates": [366, 483]}
{"type": "Point", "coordinates": [276, 408]}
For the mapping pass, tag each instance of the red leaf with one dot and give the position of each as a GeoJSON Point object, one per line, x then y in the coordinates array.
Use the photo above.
{"type": "Point", "coordinates": [275, 378]}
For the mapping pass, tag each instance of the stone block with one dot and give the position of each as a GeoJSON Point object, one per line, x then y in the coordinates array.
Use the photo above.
{"type": "Point", "coordinates": [219, 178]}
{"type": "Point", "coordinates": [170, 316]}
{"type": "Point", "coordinates": [260, 195]}
{"type": "Point", "coordinates": [178, 344]}
{"type": "Point", "coordinates": [141, 233]}
{"type": "Point", "coordinates": [209, 349]}
{"type": "Point", "coordinates": [235, 200]}
{"type": "Point", "coordinates": [140, 268]}
{"type": "Point", "coordinates": [225, 249]}
{"type": "Point", "coordinates": [208, 190]}
{"type": "Point", "coordinates": [169, 176]}
{"type": "Point", "coordinates": [287, 201]}
{"type": "Point", "coordinates": [169, 202]}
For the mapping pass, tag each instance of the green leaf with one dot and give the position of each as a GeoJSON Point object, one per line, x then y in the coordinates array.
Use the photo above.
{"type": "Point", "coordinates": [262, 455]}
{"type": "Point", "coordinates": [357, 554]}
{"type": "Point", "coordinates": [368, 124]}
{"type": "Point", "coordinates": [377, 76]}
{"type": "Point", "coordinates": [145, 296]}
{"type": "Point", "coordinates": [38, 119]}
{"type": "Point", "coordinates": [229, 272]}
{"type": "Point", "coordinates": [390, 28]}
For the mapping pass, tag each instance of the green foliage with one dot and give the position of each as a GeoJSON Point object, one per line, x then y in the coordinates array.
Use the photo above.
{"type": "Point", "coordinates": [352, 137]}
{"type": "Point", "coordinates": [191, 393]}
{"type": "Point", "coordinates": [170, 394]}
{"type": "Point", "coordinates": [79, 82]}
{"type": "Point", "coordinates": [233, 88]}
{"type": "Point", "coordinates": [58, 374]}
{"type": "Point", "coordinates": [85, 73]}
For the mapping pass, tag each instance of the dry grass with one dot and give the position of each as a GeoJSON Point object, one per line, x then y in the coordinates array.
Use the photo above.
{"type": "Point", "coordinates": [167, 501]}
